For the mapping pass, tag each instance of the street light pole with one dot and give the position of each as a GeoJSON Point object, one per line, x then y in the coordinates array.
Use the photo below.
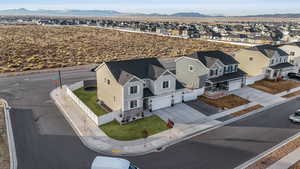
{"type": "Point", "coordinates": [60, 80]}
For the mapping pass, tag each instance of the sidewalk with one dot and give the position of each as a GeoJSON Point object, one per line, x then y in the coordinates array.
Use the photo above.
{"type": "Point", "coordinates": [97, 140]}
{"type": "Point", "coordinates": [287, 161]}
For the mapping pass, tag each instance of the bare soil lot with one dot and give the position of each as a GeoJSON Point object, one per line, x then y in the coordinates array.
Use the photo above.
{"type": "Point", "coordinates": [245, 111]}
{"type": "Point", "coordinates": [295, 166]}
{"type": "Point", "coordinates": [227, 102]}
{"type": "Point", "coordinates": [33, 47]}
{"type": "Point", "coordinates": [275, 87]}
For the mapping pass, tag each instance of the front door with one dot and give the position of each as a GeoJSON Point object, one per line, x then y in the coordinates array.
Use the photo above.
{"type": "Point", "coordinates": [146, 104]}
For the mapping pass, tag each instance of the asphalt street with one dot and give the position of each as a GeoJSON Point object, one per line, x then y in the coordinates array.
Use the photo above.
{"type": "Point", "coordinates": [45, 140]}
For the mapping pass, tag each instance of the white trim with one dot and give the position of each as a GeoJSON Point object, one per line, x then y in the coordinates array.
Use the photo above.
{"type": "Point", "coordinates": [137, 90]}
{"type": "Point", "coordinates": [132, 78]}
{"type": "Point", "coordinates": [197, 60]}
{"type": "Point", "coordinates": [129, 104]}
{"type": "Point", "coordinates": [103, 63]}
{"type": "Point", "coordinates": [162, 84]}
{"type": "Point", "coordinates": [191, 66]}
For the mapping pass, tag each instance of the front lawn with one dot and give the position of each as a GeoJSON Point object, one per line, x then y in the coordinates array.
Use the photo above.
{"type": "Point", "coordinates": [134, 130]}
{"type": "Point", "coordinates": [275, 87]}
{"type": "Point", "coordinates": [89, 98]}
{"type": "Point", "coordinates": [226, 102]}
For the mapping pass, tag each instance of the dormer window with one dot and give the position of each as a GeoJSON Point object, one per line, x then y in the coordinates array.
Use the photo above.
{"type": "Point", "coordinates": [165, 84]}
{"type": "Point", "coordinates": [191, 68]}
{"type": "Point", "coordinates": [292, 53]}
{"type": "Point", "coordinates": [133, 89]}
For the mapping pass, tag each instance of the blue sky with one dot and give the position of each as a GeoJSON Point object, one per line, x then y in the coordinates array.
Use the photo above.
{"type": "Point", "coordinates": [226, 7]}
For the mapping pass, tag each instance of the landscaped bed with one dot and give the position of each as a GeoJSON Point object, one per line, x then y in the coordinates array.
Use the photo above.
{"type": "Point", "coordinates": [245, 111]}
{"type": "Point", "coordinates": [275, 87]}
{"type": "Point", "coordinates": [295, 166]}
{"type": "Point", "coordinates": [134, 130]}
{"type": "Point", "coordinates": [226, 102]}
{"type": "Point", "coordinates": [89, 98]}
{"type": "Point", "coordinates": [292, 94]}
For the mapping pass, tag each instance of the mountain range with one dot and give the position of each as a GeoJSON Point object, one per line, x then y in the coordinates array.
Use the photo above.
{"type": "Point", "coordinates": [108, 13]}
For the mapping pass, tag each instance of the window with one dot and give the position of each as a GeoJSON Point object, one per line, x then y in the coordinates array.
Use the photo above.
{"type": "Point", "coordinates": [251, 58]}
{"type": "Point", "coordinates": [225, 69]}
{"type": "Point", "coordinates": [292, 53]}
{"type": "Point", "coordinates": [272, 61]}
{"type": "Point", "coordinates": [191, 68]}
{"type": "Point", "coordinates": [108, 81]}
{"type": "Point", "coordinates": [165, 84]}
{"type": "Point", "coordinates": [211, 73]}
{"type": "Point", "coordinates": [280, 60]}
{"type": "Point", "coordinates": [133, 89]}
{"type": "Point", "coordinates": [235, 68]}
{"type": "Point", "coordinates": [133, 104]}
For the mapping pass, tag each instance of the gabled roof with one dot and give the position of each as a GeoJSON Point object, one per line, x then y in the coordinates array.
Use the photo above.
{"type": "Point", "coordinates": [269, 50]}
{"type": "Point", "coordinates": [208, 58]}
{"type": "Point", "coordinates": [147, 68]}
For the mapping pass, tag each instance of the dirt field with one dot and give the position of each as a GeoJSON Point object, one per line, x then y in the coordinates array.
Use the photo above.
{"type": "Point", "coordinates": [31, 47]}
{"type": "Point", "coordinates": [275, 87]}
{"type": "Point", "coordinates": [227, 102]}
{"type": "Point", "coordinates": [4, 155]}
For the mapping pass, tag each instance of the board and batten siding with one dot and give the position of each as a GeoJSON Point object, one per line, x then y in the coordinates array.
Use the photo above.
{"type": "Point", "coordinates": [191, 79]}
{"type": "Point", "coordinates": [109, 94]}
{"type": "Point", "coordinates": [138, 96]}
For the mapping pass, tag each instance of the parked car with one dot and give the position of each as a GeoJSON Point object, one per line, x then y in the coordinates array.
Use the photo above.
{"type": "Point", "coordinates": [295, 118]}
{"type": "Point", "coordinates": [101, 162]}
{"type": "Point", "coordinates": [294, 75]}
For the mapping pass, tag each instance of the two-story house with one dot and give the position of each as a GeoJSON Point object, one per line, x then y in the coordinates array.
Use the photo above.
{"type": "Point", "coordinates": [214, 70]}
{"type": "Point", "coordinates": [267, 60]}
{"type": "Point", "coordinates": [293, 49]}
{"type": "Point", "coordinates": [133, 87]}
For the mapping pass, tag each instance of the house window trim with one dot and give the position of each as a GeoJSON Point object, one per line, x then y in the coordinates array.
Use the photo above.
{"type": "Point", "coordinates": [129, 104]}
{"type": "Point", "coordinates": [189, 68]}
{"type": "Point", "coordinates": [162, 84]}
{"type": "Point", "coordinates": [137, 90]}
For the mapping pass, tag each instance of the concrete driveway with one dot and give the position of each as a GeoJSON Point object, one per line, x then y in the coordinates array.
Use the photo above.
{"type": "Point", "coordinates": [257, 96]}
{"type": "Point", "coordinates": [182, 114]}
{"type": "Point", "coordinates": [203, 107]}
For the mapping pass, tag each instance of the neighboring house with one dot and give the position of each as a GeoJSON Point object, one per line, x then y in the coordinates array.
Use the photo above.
{"type": "Point", "coordinates": [267, 60]}
{"type": "Point", "coordinates": [293, 49]}
{"type": "Point", "coordinates": [136, 86]}
{"type": "Point", "coordinates": [214, 70]}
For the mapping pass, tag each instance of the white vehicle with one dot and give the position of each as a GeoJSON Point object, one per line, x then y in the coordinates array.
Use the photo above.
{"type": "Point", "coordinates": [295, 117]}
{"type": "Point", "coordinates": [101, 162]}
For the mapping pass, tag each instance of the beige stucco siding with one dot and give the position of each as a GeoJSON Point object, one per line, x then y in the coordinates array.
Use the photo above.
{"type": "Point", "coordinates": [190, 78]}
{"type": "Point", "coordinates": [253, 67]}
{"type": "Point", "coordinates": [109, 94]}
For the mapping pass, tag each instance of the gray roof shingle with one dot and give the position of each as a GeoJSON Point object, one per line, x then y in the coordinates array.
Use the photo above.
{"type": "Point", "coordinates": [208, 58]}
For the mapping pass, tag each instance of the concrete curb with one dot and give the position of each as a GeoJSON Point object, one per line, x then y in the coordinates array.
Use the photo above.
{"type": "Point", "coordinates": [276, 147]}
{"type": "Point", "coordinates": [269, 151]}
{"type": "Point", "coordinates": [10, 136]}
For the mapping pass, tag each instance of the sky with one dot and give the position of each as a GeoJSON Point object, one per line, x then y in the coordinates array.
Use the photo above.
{"type": "Point", "coordinates": [214, 7]}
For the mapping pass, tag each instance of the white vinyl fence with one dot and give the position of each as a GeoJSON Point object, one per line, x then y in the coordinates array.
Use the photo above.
{"type": "Point", "coordinates": [99, 120]}
{"type": "Point", "coordinates": [192, 94]}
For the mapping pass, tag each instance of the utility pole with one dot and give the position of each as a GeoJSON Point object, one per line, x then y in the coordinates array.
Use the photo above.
{"type": "Point", "coordinates": [60, 81]}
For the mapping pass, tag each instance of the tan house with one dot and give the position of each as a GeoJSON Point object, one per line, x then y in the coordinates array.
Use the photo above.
{"type": "Point", "coordinates": [267, 60]}
{"type": "Point", "coordinates": [216, 71]}
{"type": "Point", "coordinates": [133, 87]}
{"type": "Point", "coordinates": [293, 49]}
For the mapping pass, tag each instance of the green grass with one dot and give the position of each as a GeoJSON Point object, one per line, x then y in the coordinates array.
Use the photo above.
{"type": "Point", "coordinates": [89, 98]}
{"type": "Point", "coordinates": [134, 130]}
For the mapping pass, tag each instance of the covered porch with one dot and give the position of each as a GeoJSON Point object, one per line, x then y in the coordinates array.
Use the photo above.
{"type": "Point", "coordinates": [280, 70]}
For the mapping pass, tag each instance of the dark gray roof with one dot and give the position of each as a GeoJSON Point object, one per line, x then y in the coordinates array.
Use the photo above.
{"type": "Point", "coordinates": [229, 76]}
{"type": "Point", "coordinates": [269, 50]}
{"type": "Point", "coordinates": [208, 58]}
{"type": "Point", "coordinates": [282, 65]}
{"type": "Point", "coordinates": [179, 85]}
{"type": "Point", "coordinates": [147, 68]}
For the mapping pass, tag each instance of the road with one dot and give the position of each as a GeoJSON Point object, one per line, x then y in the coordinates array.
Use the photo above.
{"type": "Point", "coordinates": [45, 140]}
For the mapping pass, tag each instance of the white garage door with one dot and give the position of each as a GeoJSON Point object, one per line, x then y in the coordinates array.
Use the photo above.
{"type": "Point", "coordinates": [233, 85]}
{"type": "Point", "coordinates": [161, 102]}
{"type": "Point", "coordinates": [178, 98]}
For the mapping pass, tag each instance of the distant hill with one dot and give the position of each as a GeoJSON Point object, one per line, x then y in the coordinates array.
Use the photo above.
{"type": "Point", "coordinates": [23, 11]}
{"type": "Point", "coordinates": [276, 15]}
